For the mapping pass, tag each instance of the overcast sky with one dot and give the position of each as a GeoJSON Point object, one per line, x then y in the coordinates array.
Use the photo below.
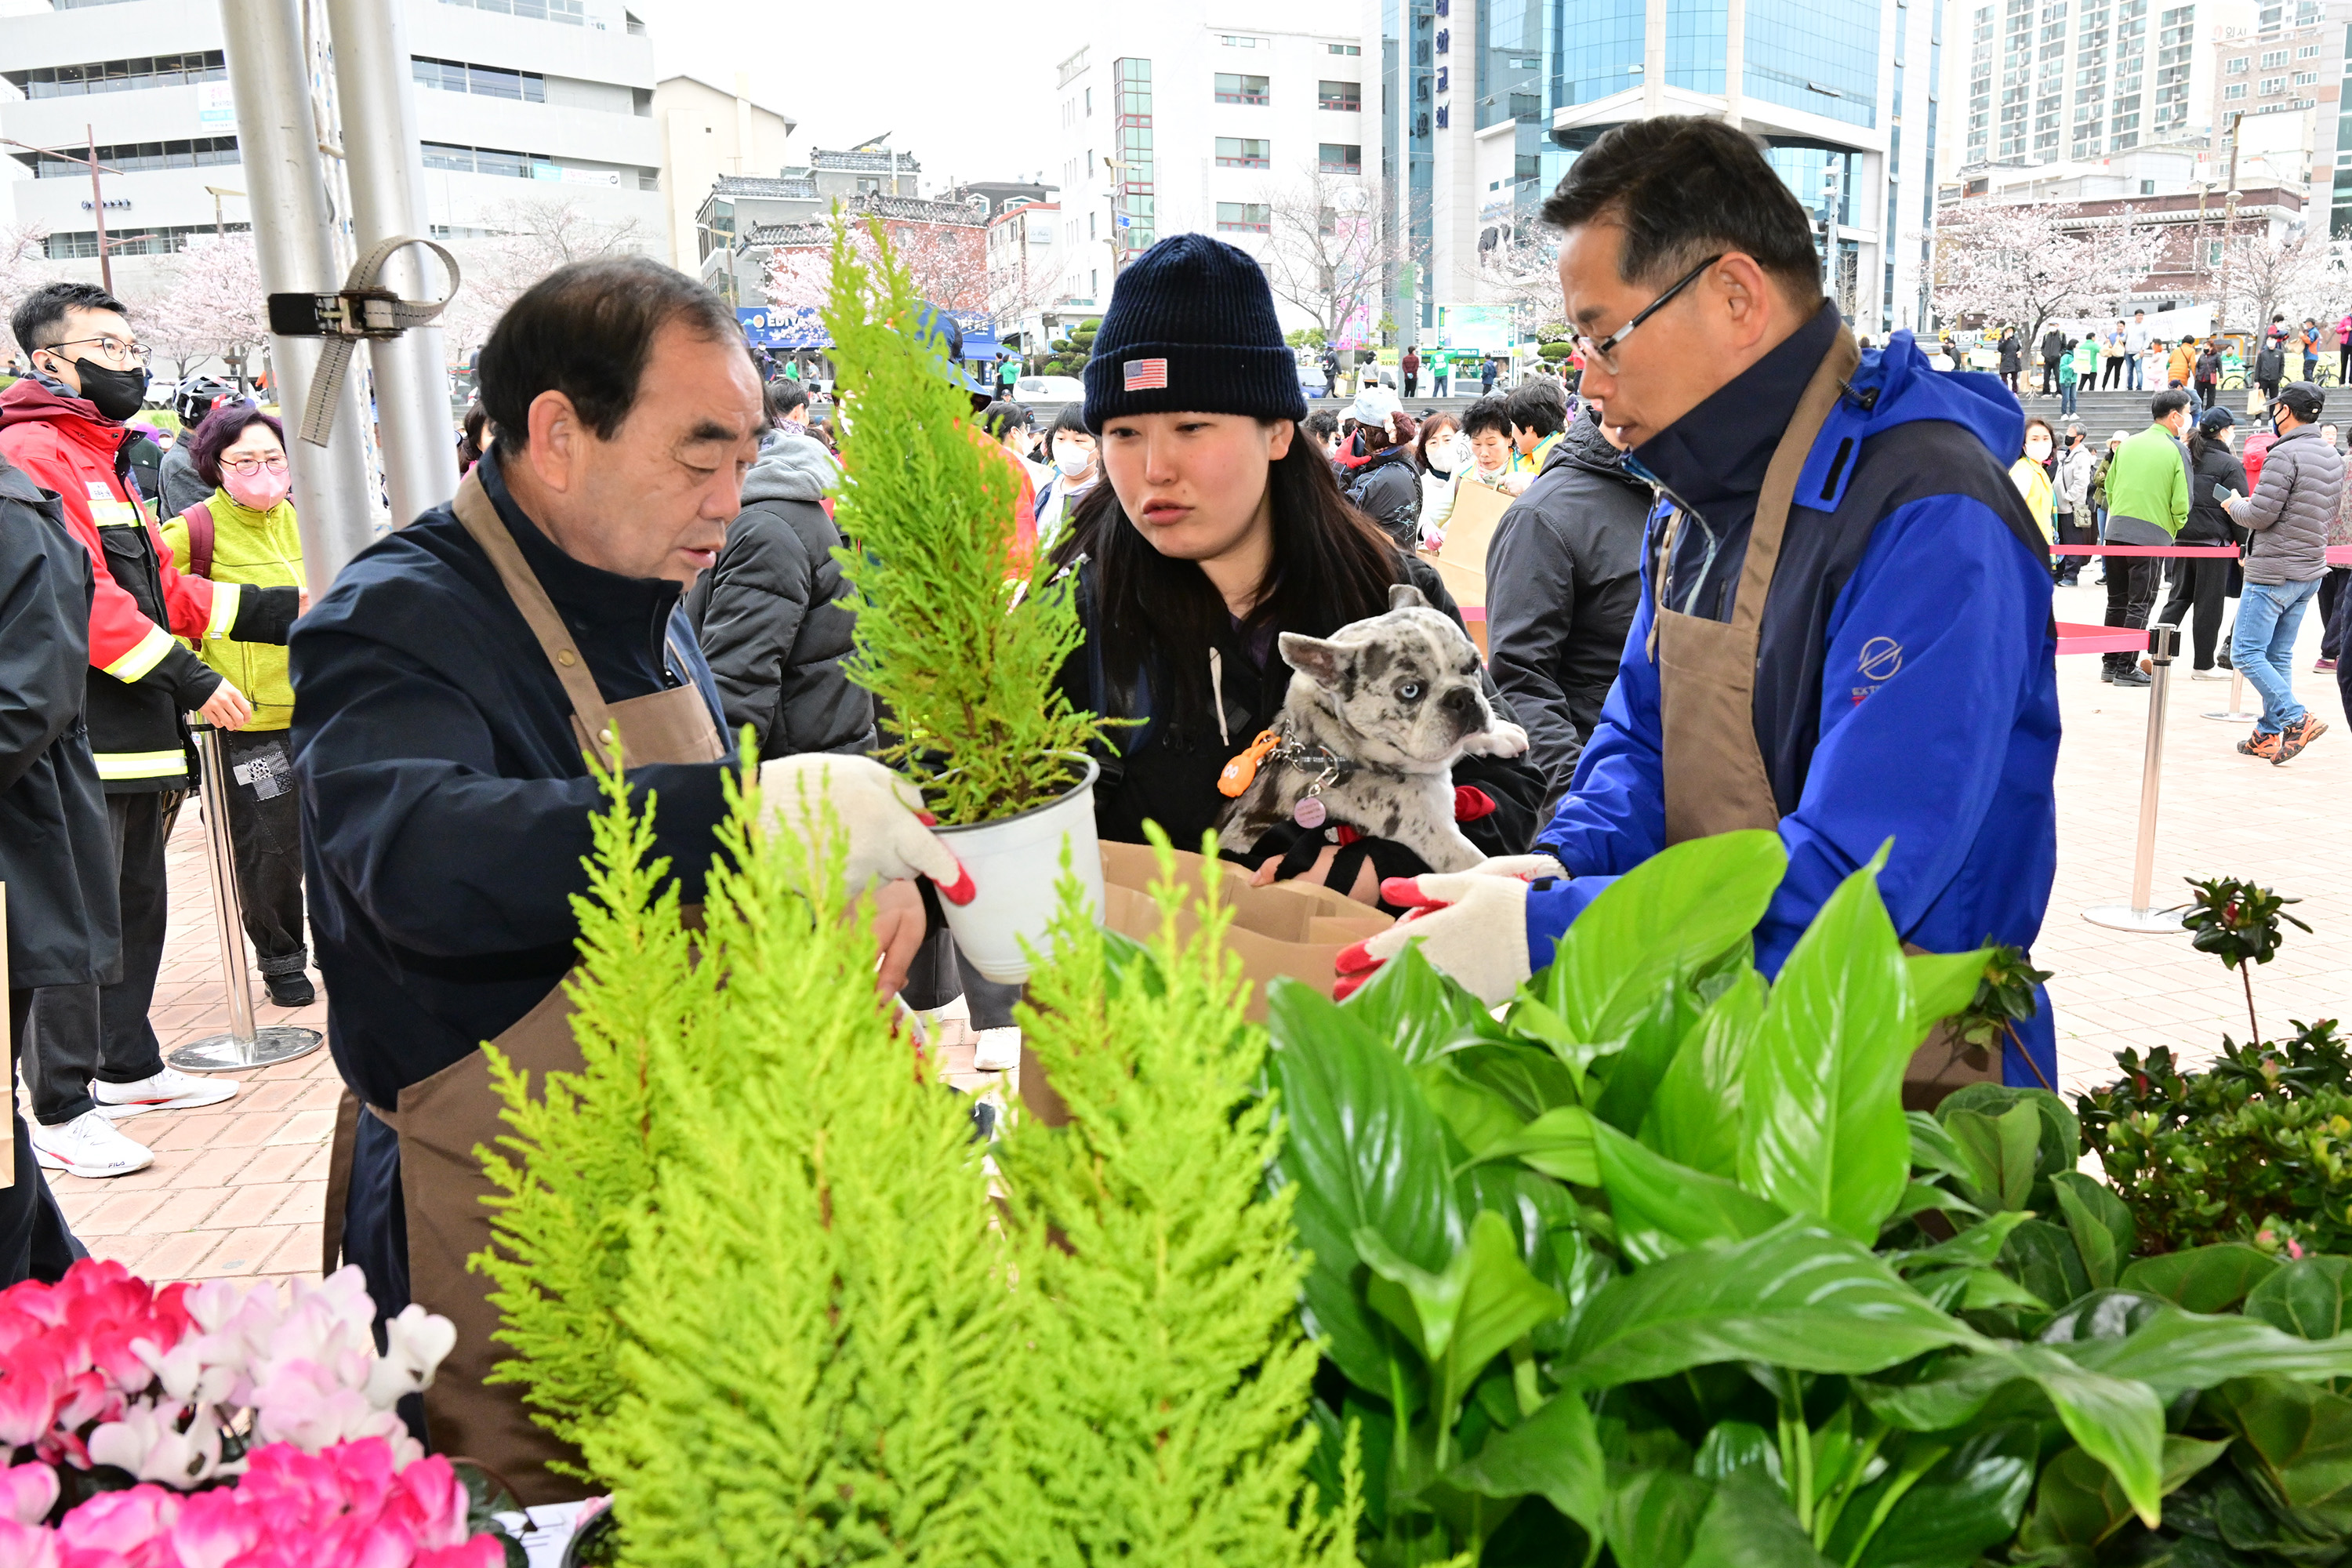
{"type": "Point", "coordinates": [967, 89]}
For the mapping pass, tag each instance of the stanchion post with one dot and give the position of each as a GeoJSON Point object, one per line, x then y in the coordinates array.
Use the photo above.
{"type": "Point", "coordinates": [2236, 711]}
{"type": "Point", "coordinates": [2162, 642]}
{"type": "Point", "coordinates": [243, 1045]}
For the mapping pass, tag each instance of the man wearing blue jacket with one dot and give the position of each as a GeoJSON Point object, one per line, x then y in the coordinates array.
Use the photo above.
{"type": "Point", "coordinates": [1846, 626]}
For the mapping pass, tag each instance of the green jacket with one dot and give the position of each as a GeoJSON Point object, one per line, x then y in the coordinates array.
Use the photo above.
{"type": "Point", "coordinates": [263, 549]}
{"type": "Point", "coordinates": [2149, 480]}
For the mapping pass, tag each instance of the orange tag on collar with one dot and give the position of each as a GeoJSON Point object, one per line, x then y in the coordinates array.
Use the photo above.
{"type": "Point", "coordinates": [1242, 771]}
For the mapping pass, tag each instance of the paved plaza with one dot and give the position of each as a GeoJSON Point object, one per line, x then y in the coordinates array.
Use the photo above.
{"type": "Point", "coordinates": [237, 1190]}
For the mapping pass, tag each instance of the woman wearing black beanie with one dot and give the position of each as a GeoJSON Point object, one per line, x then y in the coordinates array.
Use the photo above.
{"type": "Point", "coordinates": [1221, 527]}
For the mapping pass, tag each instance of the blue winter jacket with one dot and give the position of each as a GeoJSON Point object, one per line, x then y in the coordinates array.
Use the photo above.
{"type": "Point", "coordinates": [1906, 684]}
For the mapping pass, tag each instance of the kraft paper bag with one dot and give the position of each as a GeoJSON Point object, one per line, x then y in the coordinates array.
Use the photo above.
{"type": "Point", "coordinates": [1292, 929]}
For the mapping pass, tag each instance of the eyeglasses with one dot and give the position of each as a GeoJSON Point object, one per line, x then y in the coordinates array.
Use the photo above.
{"type": "Point", "coordinates": [112, 349]}
{"type": "Point", "coordinates": [248, 467]}
{"type": "Point", "coordinates": [1604, 349]}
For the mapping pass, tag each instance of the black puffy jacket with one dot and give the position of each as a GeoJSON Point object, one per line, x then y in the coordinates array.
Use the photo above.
{"type": "Point", "coordinates": [56, 850]}
{"type": "Point", "coordinates": [1387, 490]}
{"type": "Point", "coordinates": [768, 617]}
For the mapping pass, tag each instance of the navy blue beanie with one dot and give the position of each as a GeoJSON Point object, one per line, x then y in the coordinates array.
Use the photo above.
{"type": "Point", "coordinates": [1191, 330]}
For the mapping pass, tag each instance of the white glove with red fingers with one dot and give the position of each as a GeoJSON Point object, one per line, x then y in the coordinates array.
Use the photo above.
{"type": "Point", "coordinates": [882, 813]}
{"type": "Point", "coordinates": [1472, 925]}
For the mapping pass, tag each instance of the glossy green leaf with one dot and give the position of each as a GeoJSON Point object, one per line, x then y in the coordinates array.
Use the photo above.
{"type": "Point", "coordinates": [1525, 1074]}
{"type": "Point", "coordinates": [1477, 1116]}
{"type": "Point", "coordinates": [1968, 1501]}
{"type": "Point", "coordinates": [2202, 1278]}
{"type": "Point", "coordinates": [1694, 1118]}
{"type": "Point", "coordinates": [1934, 1150]}
{"type": "Point", "coordinates": [1977, 1247]}
{"type": "Point", "coordinates": [2102, 1227]}
{"type": "Point", "coordinates": [1975, 1290]}
{"type": "Point", "coordinates": [2001, 1152]}
{"type": "Point", "coordinates": [2304, 1296]}
{"type": "Point", "coordinates": [1365, 1151]}
{"type": "Point", "coordinates": [1533, 1017]}
{"type": "Point", "coordinates": [2061, 1144]}
{"type": "Point", "coordinates": [1554, 1454]}
{"type": "Point", "coordinates": [1821, 1125]}
{"type": "Point", "coordinates": [1749, 1524]}
{"type": "Point", "coordinates": [1673, 914]}
{"type": "Point", "coordinates": [2041, 1257]}
{"type": "Point", "coordinates": [1652, 1515]}
{"type": "Point", "coordinates": [2299, 1437]}
{"type": "Point", "coordinates": [2173, 1352]}
{"type": "Point", "coordinates": [1462, 1317]}
{"type": "Point", "coordinates": [1732, 1446]}
{"type": "Point", "coordinates": [1651, 1045]}
{"type": "Point", "coordinates": [1798, 1297]}
{"type": "Point", "coordinates": [2080, 1503]}
{"type": "Point", "coordinates": [1559, 1143]}
{"type": "Point", "coordinates": [1942, 983]}
{"type": "Point", "coordinates": [1418, 1012]}
{"type": "Point", "coordinates": [1662, 1208]}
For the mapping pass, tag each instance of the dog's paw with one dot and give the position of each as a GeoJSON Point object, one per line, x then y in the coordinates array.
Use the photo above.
{"type": "Point", "coordinates": [1504, 739]}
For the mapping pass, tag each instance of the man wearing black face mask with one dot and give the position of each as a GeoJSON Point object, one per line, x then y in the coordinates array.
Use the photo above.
{"type": "Point", "coordinates": [95, 1060]}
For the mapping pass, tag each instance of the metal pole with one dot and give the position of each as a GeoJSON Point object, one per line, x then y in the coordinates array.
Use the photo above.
{"type": "Point", "coordinates": [385, 162]}
{"type": "Point", "coordinates": [294, 244]}
{"type": "Point", "coordinates": [98, 211]}
{"type": "Point", "coordinates": [243, 1045]}
{"type": "Point", "coordinates": [2237, 710]}
{"type": "Point", "coordinates": [2162, 641]}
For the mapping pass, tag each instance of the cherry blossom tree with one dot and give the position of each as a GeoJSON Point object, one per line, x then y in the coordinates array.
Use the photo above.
{"type": "Point", "coordinates": [24, 266]}
{"type": "Point", "coordinates": [2026, 264]}
{"type": "Point", "coordinates": [532, 236]}
{"type": "Point", "coordinates": [1329, 252]}
{"type": "Point", "coordinates": [1522, 270]}
{"type": "Point", "coordinates": [214, 306]}
{"type": "Point", "coordinates": [949, 261]}
{"type": "Point", "coordinates": [2261, 276]}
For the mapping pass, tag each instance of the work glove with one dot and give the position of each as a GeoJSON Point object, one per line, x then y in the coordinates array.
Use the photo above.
{"type": "Point", "coordinates": [881, 814]}
{"type": "Point", "coordinates": [1471, 925]}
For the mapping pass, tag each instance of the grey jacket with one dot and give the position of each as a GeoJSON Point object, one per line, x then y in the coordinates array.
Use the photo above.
{"type": "Point", "coordinates": [182, 487]}
{"type": "Point", "coordinates": [1563, 580]}
{"type": "Point", "coordinates": [767, 616]}
{"type": "Point", "coordinates": [2292, 509]}
{"type": "Point", "coordinates": [2073, 486]}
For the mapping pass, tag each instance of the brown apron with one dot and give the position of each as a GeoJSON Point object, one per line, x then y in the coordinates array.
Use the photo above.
{"type": "Point", "coordinates": [443, 1118]}
{"type": "Point", "coordinates": [1713, 768]}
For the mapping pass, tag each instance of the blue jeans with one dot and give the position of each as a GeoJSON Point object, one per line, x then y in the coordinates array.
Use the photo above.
{"type": "Point", "coordinates": [2131, 371]}
{"type": "Point", "coordinates": [2262, 648]}
{"type": "Point", "coordinates": [2066, 397]}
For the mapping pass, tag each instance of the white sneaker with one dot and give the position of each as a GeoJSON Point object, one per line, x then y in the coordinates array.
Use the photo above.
{"type": "Point", "coordinates": [996, 1050]}
{"type": "Point", "coordinates": [88, 1146]}
{"type": "Point", "coordinates": [2209, 675]}
{"type": "Point", "coordinates": [170, 1089]}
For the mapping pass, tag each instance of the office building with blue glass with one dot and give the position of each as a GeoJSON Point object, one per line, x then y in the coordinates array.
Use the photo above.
{"type": "Point", "coordinates": [1484, 103]}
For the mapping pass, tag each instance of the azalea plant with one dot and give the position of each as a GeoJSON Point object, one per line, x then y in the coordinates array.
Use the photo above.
{"type": "Point", "coordinates": [222, 1426]}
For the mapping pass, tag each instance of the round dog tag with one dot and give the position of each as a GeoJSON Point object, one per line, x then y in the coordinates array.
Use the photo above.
{"type": "Point", "coordinates": [1308, 812]}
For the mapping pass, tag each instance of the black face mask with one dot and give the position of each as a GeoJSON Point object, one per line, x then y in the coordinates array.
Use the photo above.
{"type": "Point", "coordinates": [117, 395]}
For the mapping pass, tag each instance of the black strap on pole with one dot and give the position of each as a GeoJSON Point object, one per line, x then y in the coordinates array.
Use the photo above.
{"type": "Point", "coordinates": [358, 311]}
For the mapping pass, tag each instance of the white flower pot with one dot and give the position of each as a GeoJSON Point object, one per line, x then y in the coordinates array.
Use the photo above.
{"type": "Point", "coordinates": [1015, 864]}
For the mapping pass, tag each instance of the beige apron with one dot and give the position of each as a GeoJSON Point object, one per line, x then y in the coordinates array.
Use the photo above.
{"type": "Point", "coordinates": [443, 1118]}
{"type": "Point", "coordinates": [1713, 768]}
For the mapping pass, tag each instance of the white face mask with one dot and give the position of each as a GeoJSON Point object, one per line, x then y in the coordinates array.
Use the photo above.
{"type": "Point", "coordinates": [2037, 449]}
{"type": "Point", "coordinates": [1073, 461]}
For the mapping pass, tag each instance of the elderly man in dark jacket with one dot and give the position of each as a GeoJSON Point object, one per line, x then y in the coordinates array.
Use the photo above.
{"type": "Point", "coordinates": [56, 851]}
{"type": "Point", "coordinates": [1563, 579]}
{"type": "Point", "coordinates": [768, 615]}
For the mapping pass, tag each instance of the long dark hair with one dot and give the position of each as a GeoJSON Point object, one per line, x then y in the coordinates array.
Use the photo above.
{"type": "Point", "coordinates": [1331, 565]}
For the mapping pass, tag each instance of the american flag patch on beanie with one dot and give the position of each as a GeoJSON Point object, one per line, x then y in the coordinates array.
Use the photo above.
{"type": "Point", "coordinates": [1146, 375]}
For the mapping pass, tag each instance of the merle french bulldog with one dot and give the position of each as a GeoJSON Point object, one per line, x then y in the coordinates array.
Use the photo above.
{"type": "Point", "coordinates": [1379, 713]}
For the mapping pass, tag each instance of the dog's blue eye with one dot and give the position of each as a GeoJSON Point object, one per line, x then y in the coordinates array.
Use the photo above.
{"type": "Point", "coordinates": [1410, 691]}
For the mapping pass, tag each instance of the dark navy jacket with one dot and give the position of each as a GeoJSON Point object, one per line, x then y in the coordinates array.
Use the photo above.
{"type": "Point", "coordinates": [1906, 682]}
{"type": "Point", "coordinates": [446, 802]}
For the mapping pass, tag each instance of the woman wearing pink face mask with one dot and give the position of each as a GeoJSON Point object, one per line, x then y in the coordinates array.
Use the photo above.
{"type": "Point", "coordinates": [244, 533]}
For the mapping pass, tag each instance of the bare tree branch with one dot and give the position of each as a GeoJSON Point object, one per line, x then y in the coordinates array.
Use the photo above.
{"type": "Point", "coordinates": [1330, 253]}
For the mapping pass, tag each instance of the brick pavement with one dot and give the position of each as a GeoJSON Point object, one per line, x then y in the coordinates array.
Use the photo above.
{"type": "Point", "coordinates": [237, 1190]}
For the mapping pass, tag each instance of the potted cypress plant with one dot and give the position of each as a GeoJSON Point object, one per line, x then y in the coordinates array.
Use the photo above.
{"type": "Point", "coordinates": [959, 630]}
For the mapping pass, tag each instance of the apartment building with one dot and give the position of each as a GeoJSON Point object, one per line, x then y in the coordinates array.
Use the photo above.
{"type": "Point", "coordinates": [2278, 88]}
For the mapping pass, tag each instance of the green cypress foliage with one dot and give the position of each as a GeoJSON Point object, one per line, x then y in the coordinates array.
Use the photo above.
{"type": "Point", "coordinates": [966, 673]}
{"type": "Point", "coordinates": [1166, 1377]}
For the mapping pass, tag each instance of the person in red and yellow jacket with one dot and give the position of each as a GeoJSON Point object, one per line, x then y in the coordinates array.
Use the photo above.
{"type": "Point", "coordinates": [95, 1058]}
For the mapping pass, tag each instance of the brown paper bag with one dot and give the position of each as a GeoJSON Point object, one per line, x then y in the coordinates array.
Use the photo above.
{"type": "Point", "coordinates": [1461, 564]}
{"type": "Point", "coordinates": [1293, 929]}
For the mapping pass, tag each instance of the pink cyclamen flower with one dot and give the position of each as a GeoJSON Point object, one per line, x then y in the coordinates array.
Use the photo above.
{"type": "Point", "coordinates": [27, 1492]}
{"type": "Point", "coordinates": [27, 1545]}
{"type": "Point", "coordinates": [131, 1529]}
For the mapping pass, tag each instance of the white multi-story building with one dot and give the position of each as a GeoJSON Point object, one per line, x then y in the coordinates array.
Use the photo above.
{"type": "Point", "coordinates": [2277, 90]}
{"type": "Point", "coordinates": [1208, 116]}
{"type": "Point", "coordinates": [514, 101]}
{"type": "Point", "coordinates": [2050, 81]}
